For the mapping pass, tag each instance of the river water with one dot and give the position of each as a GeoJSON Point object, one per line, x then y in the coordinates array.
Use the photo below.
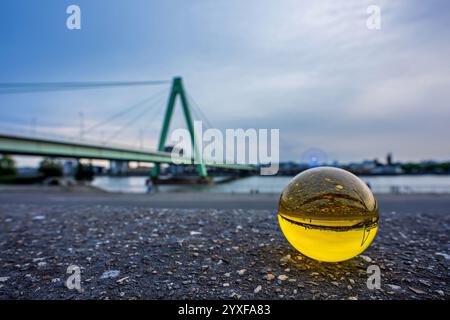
{"type": "Point", "coordinates": [269, 184]}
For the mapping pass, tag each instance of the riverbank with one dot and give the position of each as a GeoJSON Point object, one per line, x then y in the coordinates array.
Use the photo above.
{"type": "Point", "coordinates": [89, 195]}
{"type": "Point", "coordinates": [196, 246]}
{"type": "Point", "coordinates": [275, 184]}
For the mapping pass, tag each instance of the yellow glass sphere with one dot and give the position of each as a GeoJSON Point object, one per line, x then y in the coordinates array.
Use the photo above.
{"type": "Point", "coordinates": [328, 214]}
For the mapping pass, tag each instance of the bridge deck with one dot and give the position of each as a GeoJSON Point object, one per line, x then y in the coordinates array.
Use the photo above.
{"type": "Point", "coordinates": [20, 145]}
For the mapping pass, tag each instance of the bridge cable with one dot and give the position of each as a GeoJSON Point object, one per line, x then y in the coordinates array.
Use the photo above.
{"type": "Point", "coordinates": [196, 108]}
{"type": "Point", "coordinates": [123, 112]}
{"type": "Point", "coordinates": [195, 113]}
{"type": "Point", "coordinates": [133, 120]}
{"type": "Point", "coordinates": [152, 118]}
{"type": "Point", "coordinates": [12, 87]}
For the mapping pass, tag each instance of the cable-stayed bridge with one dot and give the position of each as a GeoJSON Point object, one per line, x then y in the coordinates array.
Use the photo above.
{"type": "Point", "coordinates": [57, 147]}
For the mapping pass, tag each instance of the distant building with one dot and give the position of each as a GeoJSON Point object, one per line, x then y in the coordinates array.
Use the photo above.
{"type": "Point", "coordinates": [387, 170]}
{"type": "Point", "coordinates": [389, 161]}
{"type": "Point", "coordinates": [291, 168]}
{"type": "Point", "coordinates": [364, 167]}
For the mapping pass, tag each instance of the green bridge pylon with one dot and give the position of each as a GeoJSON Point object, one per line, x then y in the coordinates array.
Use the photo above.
{"type": "Point", "coordinates": [178, 90]}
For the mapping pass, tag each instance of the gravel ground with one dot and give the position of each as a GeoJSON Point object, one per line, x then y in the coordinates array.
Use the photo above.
{"type": "Point", "coordinates": [133, 252]}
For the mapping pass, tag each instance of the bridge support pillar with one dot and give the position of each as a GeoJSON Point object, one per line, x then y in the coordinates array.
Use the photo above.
{"type": "Point", "coordinates": [118, 167]}
{"type": "Point", "coordinates": [178, 90]}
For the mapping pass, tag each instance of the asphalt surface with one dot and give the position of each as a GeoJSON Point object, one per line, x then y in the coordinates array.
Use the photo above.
{"type": "Point", "coordinates": [197, 246]}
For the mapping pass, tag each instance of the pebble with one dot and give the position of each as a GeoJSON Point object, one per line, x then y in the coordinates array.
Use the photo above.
{"type": "Point", "coordinates": [241, 272]}
{"type": "Point", "coordinates": [446, 256]}
{"type": "Point", "coordinates": [416, 290]}
{"type": "Point", "coordinates": [4, 279]}
{"type": "Point", "coordinates": [257, 289]}
{"type": "Point", "coordinates": [394, 287]}
{"type": "Point", "coordinates": [269, 277]}
{"type": "Point", "coordinates": [440, 292]}
{"type": "Point", "coordinates": [366, 258]}
{"type": "Point", "coordinates": [122, 279]}
{"type": "Point", "coordinates": [425, 282]}
{"type": "Point", "coordinates": [282, 277]}
{"type": "Point", "coordinates": [390, 292]}
{"type": "Point", "coordinates": [110, 274]}
{"type": "Point", "coordinates": [38, 259]}
{"type": "Point", "coordinates": [285, 259]}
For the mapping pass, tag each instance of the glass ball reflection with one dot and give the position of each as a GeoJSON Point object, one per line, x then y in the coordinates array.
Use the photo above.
{"type": "Point", "coordinates": [328, 214]}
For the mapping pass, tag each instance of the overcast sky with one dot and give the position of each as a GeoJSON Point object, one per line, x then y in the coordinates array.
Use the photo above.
{"type": "Point", "coordinates": [310, 68]}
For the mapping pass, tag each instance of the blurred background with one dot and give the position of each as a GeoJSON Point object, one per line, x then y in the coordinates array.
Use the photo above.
{"type": "Point", "coordinates": [372, 101]}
